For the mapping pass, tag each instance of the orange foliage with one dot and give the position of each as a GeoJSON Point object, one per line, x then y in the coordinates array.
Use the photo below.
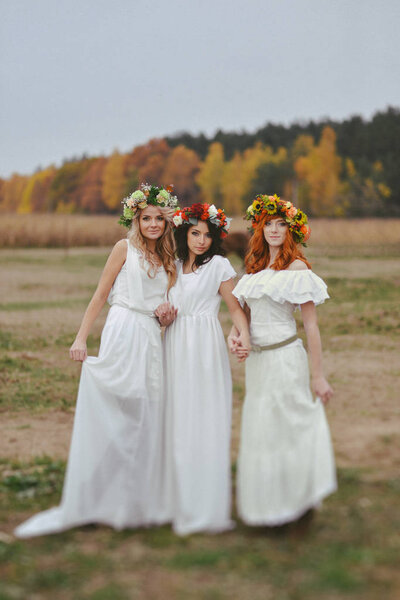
{"type": "Point", "coordinates": [181, 169]}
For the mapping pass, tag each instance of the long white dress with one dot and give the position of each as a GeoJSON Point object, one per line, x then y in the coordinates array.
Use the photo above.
{"type": "Point", "coordinates": [198, 403]}
{"type": "Point", "coordinates": [286, 462]}
{"type": "Point", "coordinates": [114, 469]}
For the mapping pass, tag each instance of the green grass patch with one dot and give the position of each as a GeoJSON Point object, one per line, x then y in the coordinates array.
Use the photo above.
{"type": "Point", "coordinates": [43, 304]}
{"type": "Point", "coordinates": [340, 553]}
{"type": "Point", "coordinates": [32, 484]}
{"type": "Point", "coordinates": [26, 383]}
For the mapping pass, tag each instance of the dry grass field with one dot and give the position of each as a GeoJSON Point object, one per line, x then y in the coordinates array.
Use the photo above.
{"type": "Point", "coordinates": [349, 551]}
{"type": "Point", "coordinates": [69, 231]}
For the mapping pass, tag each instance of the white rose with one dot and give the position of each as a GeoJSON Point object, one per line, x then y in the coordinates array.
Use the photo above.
{"type": "Point", "coordinates": [177, 220]}
{"type": "Point", "coordinates": [212, 211]}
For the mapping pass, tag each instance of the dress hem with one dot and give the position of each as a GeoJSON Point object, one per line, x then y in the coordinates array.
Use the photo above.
{"type": "Point", "coordinates": [67, 527]}
{"type": "Point", "coordinates": [205, 529]}
{"type": "Point", "coordinates": [288, 518]}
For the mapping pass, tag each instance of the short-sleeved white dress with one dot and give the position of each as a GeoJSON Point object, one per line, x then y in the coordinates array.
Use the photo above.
{"type": "Point", "coordinates": [286, 462]}
{"type": "Point", "coordinates": [198, 403]}
{"type": "Point", "coordinates": [114, 468]}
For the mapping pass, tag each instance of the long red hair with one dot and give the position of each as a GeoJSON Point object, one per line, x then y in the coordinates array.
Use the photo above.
{"type": "Point", "coordinates": [258, 255]}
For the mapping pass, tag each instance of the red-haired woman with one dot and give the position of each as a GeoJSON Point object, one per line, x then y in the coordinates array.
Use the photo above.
{"type": "Point", "coordinates": [286, 463]}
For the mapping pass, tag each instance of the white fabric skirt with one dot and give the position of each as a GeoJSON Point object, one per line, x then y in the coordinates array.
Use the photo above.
{"type": "Point", "coordinates": [114, 468]}
{"type": "Point", "coordinates": [286, 462]}
{"type": "Point", "coordinates": [198, 420]}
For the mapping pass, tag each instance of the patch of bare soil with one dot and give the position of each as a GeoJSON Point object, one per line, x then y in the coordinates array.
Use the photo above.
{"type": "Point", "coordinates": [24, 435]}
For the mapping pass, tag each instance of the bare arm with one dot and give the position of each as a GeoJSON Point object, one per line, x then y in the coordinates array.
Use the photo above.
{"type": "Point", "coordinates": [78, 350]}
{"type": "Point", "coordinates": [319, 384]}
{"type": "Point", "coordinates": [239, 318]}
{"type": "Point", "coordinates": [233, 337]}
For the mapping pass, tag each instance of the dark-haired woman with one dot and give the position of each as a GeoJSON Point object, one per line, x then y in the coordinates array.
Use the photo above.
{"type": "Point", "coordinates": [197, 376]}
{"type": "Point", "coordinates": [286, 464]}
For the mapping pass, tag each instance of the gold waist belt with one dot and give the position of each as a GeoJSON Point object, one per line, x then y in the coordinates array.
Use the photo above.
{"type": "Point", "coordinates": [274, 346]}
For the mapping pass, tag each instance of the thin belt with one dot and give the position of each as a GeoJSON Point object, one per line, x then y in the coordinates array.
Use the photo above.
{"type": "Point", "coordinates": [142, 311]}
{"type": "Point", "coordinates": [274, 346]}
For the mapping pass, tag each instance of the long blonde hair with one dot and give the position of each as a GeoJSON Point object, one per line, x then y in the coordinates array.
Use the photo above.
{"type": "Point", "coordinates": [165, 246]}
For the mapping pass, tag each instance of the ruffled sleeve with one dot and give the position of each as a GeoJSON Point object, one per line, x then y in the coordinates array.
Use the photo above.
{"type": "Point", "coordinates": [296, 287]}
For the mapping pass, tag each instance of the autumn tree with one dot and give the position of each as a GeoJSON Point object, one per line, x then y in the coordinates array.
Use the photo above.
{"type": "Point", "coordinates": [90, 193]}
{"type": "Point", "coordinates": [113, 185]}
{"type": "Point", "coordinates": [210, 176]}
{"type": "Point", "coordinates": [181, 169]}
{"type": "Point", "coordinates": [320, 170]}
{"type": "Point", "coordinates": [35, 195]}
{"type": "Point", "coordinates": [149, 161]}
{"type": "Point", "coordinates": [274, 175]}
{"type": "Point", "coordinates": [12, 191]}
{"type": "Point", "coordinates": [63, 195]}
{"type": "Point", "coordinates": [232, 185]}
{"type": "Point", "coordinates": [367, 196]}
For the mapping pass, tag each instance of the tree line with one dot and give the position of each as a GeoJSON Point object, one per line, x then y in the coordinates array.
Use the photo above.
{"type": "Point", "coordinates": [348, 168]}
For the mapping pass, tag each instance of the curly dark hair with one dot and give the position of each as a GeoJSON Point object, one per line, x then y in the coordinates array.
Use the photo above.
{"type": "Point", "coordinates": [182, 248]}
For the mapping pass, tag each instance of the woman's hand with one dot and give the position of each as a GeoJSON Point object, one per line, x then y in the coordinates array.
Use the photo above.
{"type": "Point", "coordinates": [78, 351]}
{"type": "Point", "coordinates": [243, 346]}
{"type": "Point", "coordinates": [233, 340]}
{"type": "Point", "coordinates": [322, 389]}
{"type": "Point", "coordinates": [166, 313]}
{"type": "Point", "coordinates": [239, 345]}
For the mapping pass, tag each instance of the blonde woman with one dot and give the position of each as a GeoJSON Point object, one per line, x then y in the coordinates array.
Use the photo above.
{"type": "Point", "coordinates": [113, 474]}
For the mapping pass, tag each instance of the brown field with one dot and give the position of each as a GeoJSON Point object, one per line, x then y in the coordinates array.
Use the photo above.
{"type": "Point", "coordinates": [67, 231]}
{"type": "Point", "coordinates": [351, 548]}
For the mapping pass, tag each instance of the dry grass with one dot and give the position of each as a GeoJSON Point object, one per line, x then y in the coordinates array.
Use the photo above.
{"type": "Point", "coordinates": [66, 231]}
{"type": "Point", "coordinates": [58, 231]}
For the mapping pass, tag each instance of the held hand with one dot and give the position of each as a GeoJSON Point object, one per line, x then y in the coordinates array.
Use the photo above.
{"type": "Point", "coordinates": [243, 347]}
{"type": "Point", "coordinates": [166, 313]}
{"type": "Point", "coordinates": [233, 341]}
{"type": "Point", "coordinates": [239, 345]}
{"type": "Point", "coordinates": [78, 351]}
{"type": "Point", "coordinates": [322, 389]}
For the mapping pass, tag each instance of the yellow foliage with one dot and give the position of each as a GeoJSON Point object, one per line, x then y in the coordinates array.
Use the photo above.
{"type": "Point", "coordinates": [320, 171]}
{"type": "Point", "coordinates": [378, 166]}
{"type": "Point", "coordinates": [35, 191]}
{"type": "Point", "coordinates": [350, 168]}
{"type": "Point", "coordinates": [232, 187]}
{"type": "Point", "coordinates": [12, 191]}
{"type": "Point", "coordinates": [384, 190]}
{"type": "Point", "coordinates": [211, 172]}
{"type": "Point", "coordinates": [114, 180]}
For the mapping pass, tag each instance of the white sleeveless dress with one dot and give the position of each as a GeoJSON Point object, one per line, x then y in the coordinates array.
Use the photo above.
{"type": "Point", "coordinates": [114, 468]}
{"type": "Point", "coordinates": [198, 404]}
{"type": "Point", "coordinates": [286, 462]}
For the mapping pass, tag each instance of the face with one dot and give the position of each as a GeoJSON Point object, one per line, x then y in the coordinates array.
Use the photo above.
{"type": "Point", "coordinates": [151, 223]}
{"type": "Point", "coordinates": [199, 239]}
{"type": "Point", "coordinates": [275, 232]}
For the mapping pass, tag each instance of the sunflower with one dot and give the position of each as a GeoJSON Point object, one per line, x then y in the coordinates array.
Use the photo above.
{"type": "Point", "coordinates": [271, 207]}
{"type": "Point", "coordinates": [257, 205]}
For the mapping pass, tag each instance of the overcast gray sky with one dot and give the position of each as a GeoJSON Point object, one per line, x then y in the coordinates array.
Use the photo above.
{"type": "Point", "coordinates": [93, 75]}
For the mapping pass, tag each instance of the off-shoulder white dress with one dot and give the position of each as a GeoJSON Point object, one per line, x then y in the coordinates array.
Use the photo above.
{"type": "Point", "coordinates": [286, 462]}
{"type": "Point", "coordinates": [198, 404]}
{"type": "Point", "coordinates": [114, 468]}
